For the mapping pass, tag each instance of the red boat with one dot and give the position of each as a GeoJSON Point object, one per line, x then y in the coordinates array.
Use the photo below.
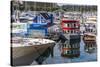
{"type": "Point", "coordinates": [71, 30]}
{"type": "Point", "coordinates": [70, 27]}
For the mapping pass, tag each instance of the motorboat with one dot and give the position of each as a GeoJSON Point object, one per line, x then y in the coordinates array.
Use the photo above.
{"type": "Point", "coordinates": [89, 37]}
{"type": "Point", "coordinates": [25, 50]}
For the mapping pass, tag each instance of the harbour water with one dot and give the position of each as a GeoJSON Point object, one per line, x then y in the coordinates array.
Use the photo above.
{"type": "Point", "coordinates": [57, 58]}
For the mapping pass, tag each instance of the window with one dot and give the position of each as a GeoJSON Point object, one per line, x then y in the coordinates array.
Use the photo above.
{"type": "Point", "coordinates": [68, 25]}
{"type": "Point", "coordinates": [71, 31]}
{"type": "Point", "coordinates": [64, 31]}
{"type": "Point", "coordinates": [74, 25]}
{"type": "Point", "coordinates": [74, 31]}
{"type": "Point", "coordinates": [68, 31]}
{"type": "Point", "coordinates": [68, 52]}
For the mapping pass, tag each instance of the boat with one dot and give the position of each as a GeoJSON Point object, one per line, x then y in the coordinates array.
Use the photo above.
{"type": "Point", "coordinates": [25, 50]}
{"type": "Point", "coordinates": [90, 29]}
{"type": "Point", "coordinates": [71, 48]}
{"type": "Point", "coordinates": [90, 46]}
{"type": "Point", "coordinates": [40, 25]}
{"type": "Point", "coordinates": [90, 25]}
{"type": "Point", "coordinates": [89, 37]}
{"type": "Point", "coordinates": [70, 27]}
{"type": "Point", "coordinates": [26, 17]}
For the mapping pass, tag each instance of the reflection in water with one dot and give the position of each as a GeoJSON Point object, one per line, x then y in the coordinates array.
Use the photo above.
{"type": "Point", "coordinates": [44, 56]}
{"type": "Point", "coordinates": [71, 48]}
{"type": "Point", "coordinates": [90, 46]}
{"type": "Point", "coordinates": [68, 51]}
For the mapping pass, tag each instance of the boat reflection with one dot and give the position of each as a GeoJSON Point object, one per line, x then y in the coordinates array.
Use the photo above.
{"type": "Point", "coordinates": [71, 48]}
{"type": "Point", "coordinates": [90, 46]}
{"type": "Point", "coordinates": [44, 56]}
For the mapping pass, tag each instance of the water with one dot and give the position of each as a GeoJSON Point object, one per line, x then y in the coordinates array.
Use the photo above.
{"type": "Point", "coordinates": [46, 58]}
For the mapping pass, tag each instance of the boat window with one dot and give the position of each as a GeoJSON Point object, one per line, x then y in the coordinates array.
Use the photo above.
{"type": "Point", "coordinates": [66, 45]}
{"type": "Point", "coordinates": [65, 31]}
{"type": "Point", "coordinates": [74, 25]}
{"type": "Point", "coordinates": [68, 31]}
{"type": "Point", "coordinates": [91, 30]}
{"type": "Point", "coordinates": [67, 52]}
{"type": "Point", "coordinates": [71, 31]}
{"type": "Point", "coordinates": [68, 25]}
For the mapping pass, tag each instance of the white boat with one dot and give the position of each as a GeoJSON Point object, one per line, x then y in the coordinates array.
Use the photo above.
{"type": "Point", "coordinates": [26, 17]}
{"type": "Point", "coordinates": [25, 51]}
{"type": "Point", "coordinates": [91, 25]}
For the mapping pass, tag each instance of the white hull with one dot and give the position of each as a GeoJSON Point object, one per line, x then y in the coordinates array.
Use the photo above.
{"type": "Point", "coordinates": [25, 55]}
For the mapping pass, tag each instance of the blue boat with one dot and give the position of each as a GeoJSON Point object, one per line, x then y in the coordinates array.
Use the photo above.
{"type": "Point", "coordinates": [39, 27]}
{"type": "Point", "coordinates": [37, 30]}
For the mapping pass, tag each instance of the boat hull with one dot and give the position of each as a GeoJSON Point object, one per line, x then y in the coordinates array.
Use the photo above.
{"type": "Point", "coordinates": [89, 38]}
{"type": "Point", "coordinates": [27, 54]}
